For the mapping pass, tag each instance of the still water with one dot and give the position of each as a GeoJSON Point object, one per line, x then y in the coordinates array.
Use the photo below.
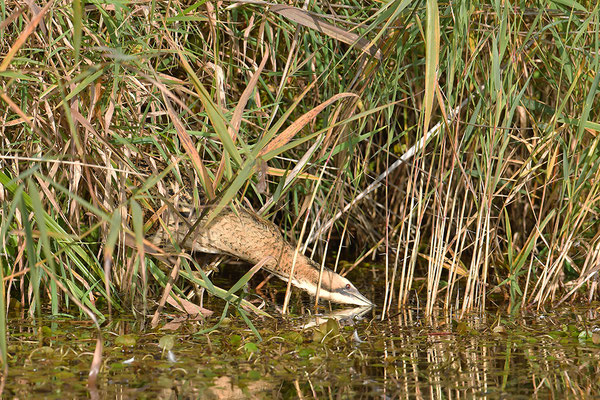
{"type": "Point", "coordinates": [543, 354]}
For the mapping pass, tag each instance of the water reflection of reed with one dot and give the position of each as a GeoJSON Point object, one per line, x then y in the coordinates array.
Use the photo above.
{"type": "Point", "coordinates": [474, 358]}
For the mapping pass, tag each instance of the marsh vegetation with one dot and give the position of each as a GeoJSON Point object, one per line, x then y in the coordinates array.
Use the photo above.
{"type": "Point", "coordinates": [448, 150]}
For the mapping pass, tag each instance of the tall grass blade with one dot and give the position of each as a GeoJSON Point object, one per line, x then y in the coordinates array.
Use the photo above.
{"type": "Point", "coordinates": [432, 40]}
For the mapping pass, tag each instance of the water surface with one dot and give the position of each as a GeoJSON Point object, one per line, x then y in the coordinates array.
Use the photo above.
{"type": "Point", "coordinates": [553, 354]}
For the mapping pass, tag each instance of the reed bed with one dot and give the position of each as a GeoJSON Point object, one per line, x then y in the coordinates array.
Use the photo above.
{"type": "Point", "coordinates": [456, 142]}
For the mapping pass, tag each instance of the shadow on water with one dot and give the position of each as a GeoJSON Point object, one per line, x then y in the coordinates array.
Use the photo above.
{"type": "Point", "coordinates": [547, 355]}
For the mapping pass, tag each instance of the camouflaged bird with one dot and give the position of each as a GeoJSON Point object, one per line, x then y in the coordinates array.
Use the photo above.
{"type": "Point", "coordinates": [243, 234]}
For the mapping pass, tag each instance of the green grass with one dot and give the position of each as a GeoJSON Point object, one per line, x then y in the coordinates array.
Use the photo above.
{"type": "Point", "coordinates": [248, 107]}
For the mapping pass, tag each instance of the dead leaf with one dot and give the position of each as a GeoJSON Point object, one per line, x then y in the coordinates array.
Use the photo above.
{"type": "Point", "coordinates": [313, 21]}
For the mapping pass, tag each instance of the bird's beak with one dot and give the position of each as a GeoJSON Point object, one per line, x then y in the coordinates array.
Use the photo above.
{"type": "Point", "coordinates": [353, 296]}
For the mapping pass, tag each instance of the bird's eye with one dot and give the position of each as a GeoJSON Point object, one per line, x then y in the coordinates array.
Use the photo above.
{"type": "Point", "coordinates": [348, 286]}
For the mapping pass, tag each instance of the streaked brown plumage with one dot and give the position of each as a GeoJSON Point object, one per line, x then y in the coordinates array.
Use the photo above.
{"type": "Point", "coordinates": [245, 235]}
{"type": "Point", "coordinates": [242, 234]}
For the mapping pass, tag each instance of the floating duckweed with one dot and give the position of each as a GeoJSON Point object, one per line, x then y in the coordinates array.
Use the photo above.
{"type": "Point", "coordinates": [125, 340]}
